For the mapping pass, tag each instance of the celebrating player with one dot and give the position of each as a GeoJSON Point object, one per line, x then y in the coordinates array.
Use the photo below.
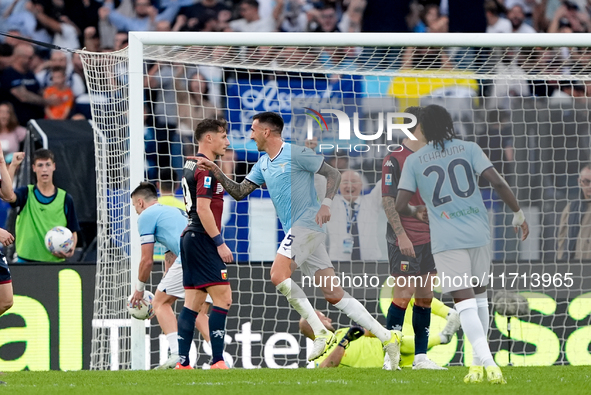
{"type": "Point", "coordinates": [367, 352]}
{"type": "Point", "coordinates": [409, 251]}
{"type": "Point", "coordinates": [288, 171]}
{"type": "Point", "coordinates": [162, 224]}
{"type": "Point", "coordinates": [444, 172]}
{"type": "Point", "coordinates": [203, 252]}
{"type": "Point", "coordinates": [6, 239]}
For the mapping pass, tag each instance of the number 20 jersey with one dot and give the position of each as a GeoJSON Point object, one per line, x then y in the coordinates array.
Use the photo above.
{"type": "Point", "coordinates": [447, 182]}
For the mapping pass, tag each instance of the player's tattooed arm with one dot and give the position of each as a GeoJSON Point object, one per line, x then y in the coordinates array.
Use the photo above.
{"type": "Point", "coordinates": [389, 204]}
{"type": "Point", "coordinates": [237, 190]}
{"type": "Point", "coordinates": [333, 179]}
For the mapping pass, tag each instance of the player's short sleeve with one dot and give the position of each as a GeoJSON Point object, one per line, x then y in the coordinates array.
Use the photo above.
{"type": "Point", "coordinates": [22, 194]}
{"type": "Point", "coordinates": [480, 161]}
{"type": "Point", "coordinates": [407, 180]}
{"type": "Point", "coordinates": [306, 159]}
{"type": "Point", "coordinates": [147, 228]}
{"type": "Point", "coordinates": [204, 181]}
{"type": "Point", "coordinates": [390, 176]}
{"type": "Point", "coordinates": [256, 175]}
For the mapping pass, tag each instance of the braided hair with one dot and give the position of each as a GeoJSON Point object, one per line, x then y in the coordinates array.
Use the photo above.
{"type": "Point", "coordinates": [437, 125]}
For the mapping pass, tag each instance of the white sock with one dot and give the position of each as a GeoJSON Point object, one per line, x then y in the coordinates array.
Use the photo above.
{"type": "Point", "coordinates": [468, 310]}
{"type": "Point", "coordinates": [357, 312]}
{"type": "Point", "coordinates": [302, 305]}
{"type": "Point", "coordinates": [482, 303]}
{"type": "Point", "coordinates": [173, 342]}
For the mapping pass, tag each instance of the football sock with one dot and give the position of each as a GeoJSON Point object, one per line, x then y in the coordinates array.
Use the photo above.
{"type": "Point", "coordinates": [421, 321]}
{"type": "Point", "coordinates": [217, 332]}
{"type": "Point", "coordinates": [186, 328]}
{"type": "Point", "coordinates": [482, 303]}
{"type": "Point", "coordinates": [357, 312]}
{"type": "Point", "coordinates": [439, 309]}
{"type": "Point", "coordinates": [302, 305]}
{"type": "Point", "coordinates": [395, 317]}
{"type": "Point", "coordinates": [173, 342]}
{"type": "Point", "coordinates": [468, 310]}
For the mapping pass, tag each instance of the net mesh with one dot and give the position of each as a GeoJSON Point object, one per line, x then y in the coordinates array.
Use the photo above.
{"type": "Point", "coordinates": [526, 107]}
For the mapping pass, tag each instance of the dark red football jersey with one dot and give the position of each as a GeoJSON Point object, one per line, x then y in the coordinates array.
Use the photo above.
{"type": "Point", "coordinates": [201, 184]}
{"type": "Point", "coordinates": [417, 231]}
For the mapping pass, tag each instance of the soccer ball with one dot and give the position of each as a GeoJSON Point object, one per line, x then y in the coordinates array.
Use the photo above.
{"type": "Point", "coordinates": [59, 239]}
{"type": "Point", "coordinates": [142, 311]}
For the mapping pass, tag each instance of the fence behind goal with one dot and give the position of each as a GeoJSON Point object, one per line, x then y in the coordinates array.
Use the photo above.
{"type": "Point", "coordinates": [523, 100]}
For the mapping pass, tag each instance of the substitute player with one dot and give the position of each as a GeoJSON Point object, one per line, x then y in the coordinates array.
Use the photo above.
{"type": "Point", "coordinates": [203, 252]}
{"type": "Point", "coordinates": [409, 251]}
{"type": "Point", "coordinates": [288, 171]}
{"type": "Point", "coordinates": [444, 172]}
{"type": "Point", "coordinates": [6, 238]}
{"type": "Point", "coordinates": [162, 224]}
{"type": "Point", "coordinates": [358, 348]}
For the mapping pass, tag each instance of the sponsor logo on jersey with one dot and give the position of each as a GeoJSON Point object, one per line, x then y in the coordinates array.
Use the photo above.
{"type": "Point", "coordinates": [404, 266]}
{"type": "Point", "coordinates": [207, 182]}
{"type": "Point", "coordinates": [388, 179]}
{"type": "Point", "coordinates": [460, 213]}
{"type": "Point", "coordinates": [224, 274]}
{"type": "Point", "coordinates": [389, 164]}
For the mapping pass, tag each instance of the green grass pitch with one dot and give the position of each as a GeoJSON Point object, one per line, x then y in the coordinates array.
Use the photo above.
{"type": "Point", "coordinates": [552, 380]}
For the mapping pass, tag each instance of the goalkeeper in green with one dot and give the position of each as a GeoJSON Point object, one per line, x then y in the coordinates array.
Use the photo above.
{"type": "Point", "coordinates": [356, 347]}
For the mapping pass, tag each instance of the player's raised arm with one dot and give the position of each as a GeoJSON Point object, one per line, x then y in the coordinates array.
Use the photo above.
{"type": "Point", "coordinates": [506, 194]}
{"type": "Point", "coordinates": [237, 190]}
{"type": "Point", "coordinates": [6, 191]}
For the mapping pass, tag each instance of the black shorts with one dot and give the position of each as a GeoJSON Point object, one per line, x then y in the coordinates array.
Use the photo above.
{"type": "Point", "coordinates": [402, 265]}
{"type": "Point", "coordinates": [202, 265]}
{"type": "Point", "coordinates": [4, 270]}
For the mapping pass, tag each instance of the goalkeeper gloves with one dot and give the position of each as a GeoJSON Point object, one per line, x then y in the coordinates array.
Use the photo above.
{"type": "Point", "coordinates": [354, 333]}
{"type": "Point", "coordinates": [518, 218]}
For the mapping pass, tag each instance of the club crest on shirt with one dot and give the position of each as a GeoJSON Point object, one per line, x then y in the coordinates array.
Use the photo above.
{"type": "Point", "coordinates": [282, 165]}
{"type": "Point", "coordinates": [388, 179]}
{"type": "Point", "coordinates": [207, 182]}
{"type": "Point", "coordinates": [404, 266]}
{"type": "Point", "coordinates": [224, 274]}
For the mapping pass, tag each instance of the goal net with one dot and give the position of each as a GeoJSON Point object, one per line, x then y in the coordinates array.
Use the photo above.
{"type": "Point", "coordinates": [523, 99]}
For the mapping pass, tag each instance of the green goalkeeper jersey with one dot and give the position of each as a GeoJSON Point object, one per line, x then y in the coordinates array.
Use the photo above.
{"type": "Point", "coordinates": [365, 352]}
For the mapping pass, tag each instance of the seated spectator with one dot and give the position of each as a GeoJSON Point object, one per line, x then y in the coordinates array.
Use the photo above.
{"type": "Point", "coordinates": [517, 19]}
{"type": "Point", "coordinates": [574, 232]}
{"type": "Point", "coordinates": [59, 59]}
{"type": "Point", "coordinates": [42, 207]}
{"type": "Point", "coordinates": [60, 90]}
{"type": "Point", "coordinates": [19, 86]}
{"type": "Point", "coordinates": [251, 21]}
{"type": "Point", "coordinates": [145, 17]}
{"type": "Point", "coordinates": [11, 133]}
{"type": "Point", "coordinates": [192, 17]}
{"type": "Point", "coordinates": [431, 21]}
{"type": "Point", "coordinates": [495, 22]}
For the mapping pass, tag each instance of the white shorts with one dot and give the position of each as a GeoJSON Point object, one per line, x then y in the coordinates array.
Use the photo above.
{"type": "Point", "coordinates": [172, 282]}
{"type": "Point", "coordinates": [306, 247]}
{"type": "Point", "coordinates": [458, 269]}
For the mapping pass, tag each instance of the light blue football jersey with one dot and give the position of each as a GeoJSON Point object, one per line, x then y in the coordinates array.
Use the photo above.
{"type": "Point", "coordinates": [162, 224]}
{"type": "Point", "coordinates": [447, 182]}
{"type": "Point", "coordinates": [290, 181]}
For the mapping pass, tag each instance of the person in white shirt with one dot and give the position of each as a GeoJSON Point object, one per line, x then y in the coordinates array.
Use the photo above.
{"type": "Point", "coordinates": [517, 18]}
{"type": "Point", "coordinates": [251, 20]}
{"type": "Point", "coordinates": [353, 231]}
{"type": "Point", "coordinates": [496, 23]}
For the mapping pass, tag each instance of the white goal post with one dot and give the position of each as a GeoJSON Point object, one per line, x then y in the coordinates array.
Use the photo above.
{"type": "Point", "coordinates": [475, 56]}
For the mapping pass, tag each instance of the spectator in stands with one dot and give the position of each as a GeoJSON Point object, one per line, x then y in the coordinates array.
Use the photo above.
{"type": "Point", "coordinates": [64, 33]}
{"type": "Point", "coordinates": [567, 93]}
{"type": "Point", "coordinates": [327, 20]}
{"type": "Point", "coordinates": [145, 17]}
{"type": "Point", "coordinates": [63, 92]}
{"type": "Point", "coordinates": [294, 17]}
{"type": "Point", "coordinates": [353, 227]}
{"type": "Point", "coordinates": [19, 86]}
{"type": "Point", "coordinates": [167, 185]}
{"type": "Point", "coordinates": [11, 133]}
{"type": "Point", "coordinates": [495, 22]}
{"type": "Point", "coordinates": [517, 19]}
{"type": "Point", "coordinates": [42, 207]}
{"type": "Point", "coordinates": [568, 15]}
{"type": "Point", "coordinates": [251, 20]}
{"type": "Point", "coordinates": [59, 59]}
{"type": "Point", "coordinates": [574, 232]}
{"type": "Point", "coordinates": [431, 21]}
{"type": "Point", "coordinates": [196, 15]}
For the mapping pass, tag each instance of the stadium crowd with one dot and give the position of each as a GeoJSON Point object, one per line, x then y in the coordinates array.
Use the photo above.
{"type": "Point", "coordinates": [39, 83]}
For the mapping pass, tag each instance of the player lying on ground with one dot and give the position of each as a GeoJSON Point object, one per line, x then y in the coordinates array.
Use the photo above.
{"type": "Point", "coordinates": [288, 171]}
{"type": "Point", "coordinates": [357, 347]}
{"type": "Point", "coordinates": [162, 224]}
{"type": "Point", "coordinates": [445, 174]}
